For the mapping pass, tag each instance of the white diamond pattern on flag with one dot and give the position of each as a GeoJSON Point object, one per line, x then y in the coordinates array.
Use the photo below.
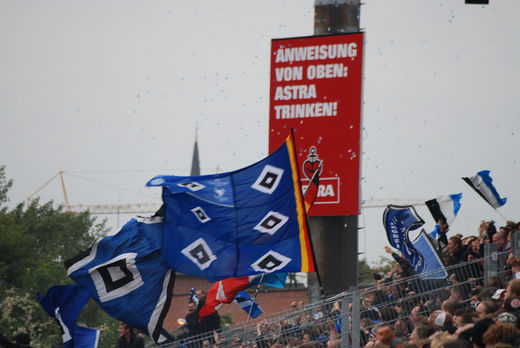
{"type": "Point", "coordinates": [268, 180]}
{"type": "Point", "coordinates": [200, 214]}
{"type": "Point", "coordinates": [193, 186]}
{"type": "Point", "coordinates": [271, 222]}
{"type": "Point", "coordinates": [116, 277]}
{"type": "Point", "coordinates": [270, 262]}
{"type": "Point", "coordinates": [199, 253]}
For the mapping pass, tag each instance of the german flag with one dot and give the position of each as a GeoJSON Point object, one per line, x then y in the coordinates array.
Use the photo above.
{"type": "Point", "coordinates": [307, 256]}
{"type": "Point", "coordinates": [312, 190]}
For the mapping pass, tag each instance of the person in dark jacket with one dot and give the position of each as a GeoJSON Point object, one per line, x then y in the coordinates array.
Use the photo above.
{"type": "Point", "coordinates": [192, 318]}
{"type": "Point", "coordinates": [455, 250]}
{"type": "Point", "coordinates": [211, 322]}
{"type": "Point", "coordinates": [405, 265]}
{"type": "Point", "coordinates": [415, 284]}
{"type": "Point", "coordinates": [127, 337]}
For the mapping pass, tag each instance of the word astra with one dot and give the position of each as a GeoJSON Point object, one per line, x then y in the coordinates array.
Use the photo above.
{"type": "Point", "coordinates": [323, 190]}
{"type": "Point", "coordinates": [299, 54]}
{"type": "Point", "coordinates": [295, 92]}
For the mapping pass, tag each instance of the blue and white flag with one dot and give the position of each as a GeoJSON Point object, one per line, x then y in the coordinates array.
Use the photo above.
{"type": "Point", "coordinates": [436, 231]}
{"type": "Point", "coordinates": [125, 274]}
{"type": "Point", "coordinates": [433, 269]}
{"type": "Point", "coordinates": [445, 208]}
{"type": "Point", "coordinates": [65, 303]}
{"type": "Point", "coordinates": [247, 222]}
{"type": "Point", "coordinates": [247, 304]}
{"type": "Point", "coordinates": [483, 185]}
{"type": "Point", "coordinates": [398, 221]}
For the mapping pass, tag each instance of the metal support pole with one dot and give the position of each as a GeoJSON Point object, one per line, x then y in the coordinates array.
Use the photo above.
{"type": "Point", "coordinates": [345, 320]}
{"type": "Point", "coordinates": [335, 238]}
{"type": "Point", "coordinates": [516, 244]}
{"type": "Point", "coordinates": [502, 257]}
{"type": "Point", "coordinates": [336, 16]}
{"type": "Point", "coordinates": [355, 318]}
{"type": "Point", "coordinates": [491, 261]}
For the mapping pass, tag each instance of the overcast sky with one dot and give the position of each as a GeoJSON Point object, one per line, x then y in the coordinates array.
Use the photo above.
{"type": "Point", "coordinates": [111, 92]}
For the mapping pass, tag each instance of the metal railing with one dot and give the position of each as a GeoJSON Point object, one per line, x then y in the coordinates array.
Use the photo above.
{"type": "Point", "coordinates": [356, 312]}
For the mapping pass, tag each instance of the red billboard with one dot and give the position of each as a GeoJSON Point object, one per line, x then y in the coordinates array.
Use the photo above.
{"type": "Point", "coordinates": [316, 90]}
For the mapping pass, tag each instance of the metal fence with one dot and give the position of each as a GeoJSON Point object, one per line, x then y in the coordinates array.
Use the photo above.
{"type": "Point", "coordinates": [347, 319]}
{"type": "Point", "coordinates": [311, 326]}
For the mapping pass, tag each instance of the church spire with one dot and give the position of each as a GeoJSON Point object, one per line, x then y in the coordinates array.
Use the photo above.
{"type": "Point", "coordinates": [195, 165]}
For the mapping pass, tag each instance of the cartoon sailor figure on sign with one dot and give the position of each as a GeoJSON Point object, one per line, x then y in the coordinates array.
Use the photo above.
{"type": "Point", "coordinates": [312, 163]}
{"type": "Point", "coordinates": [328, 187]}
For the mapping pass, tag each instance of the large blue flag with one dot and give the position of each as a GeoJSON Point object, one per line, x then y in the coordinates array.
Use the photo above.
{"type": "Point", "coordinates": [433, 268]}
{"type": "Point", "coordinates": [65, 303]}
{"type": "Point", "coordinates": [398, 221]}
{"type": "Point", "coordinates": [241, 223]}
{"type": "Point", "coordinates": [247, 304]}
{"type": "Point", "coordinates": [125, 274]}
{"type": "Point", "coordinates": [482, 183]}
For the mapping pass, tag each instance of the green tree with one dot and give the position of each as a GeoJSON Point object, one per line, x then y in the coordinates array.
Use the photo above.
{"type": "Point", "coordinates": [385, 264]}
{"type": "Point", "coordinates": [226, 320]}
{"type": "Point", "coordinates": [365, 275]}
{"type": "Point", "coordinates": [5, 185]}
{"type": "Point", "coordinates": [35, 240]}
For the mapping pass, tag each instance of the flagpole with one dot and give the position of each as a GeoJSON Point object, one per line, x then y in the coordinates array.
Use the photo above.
{"type": "Point", "coordinates": [251, 308]}
{"type": "Point", "coordinates": [499, 213]}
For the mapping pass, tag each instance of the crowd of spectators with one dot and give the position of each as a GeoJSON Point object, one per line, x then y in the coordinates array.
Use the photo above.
{"type": "Point", "coordinates": [402, 309]}
{"type": "Point", "coordinates": [466, 309]}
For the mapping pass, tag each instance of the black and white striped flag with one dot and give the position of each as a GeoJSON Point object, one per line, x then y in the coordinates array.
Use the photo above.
{"type": "Point", "coordinates": [445, 208]}
{"type": "Point", "coordinates": [483, 185]}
